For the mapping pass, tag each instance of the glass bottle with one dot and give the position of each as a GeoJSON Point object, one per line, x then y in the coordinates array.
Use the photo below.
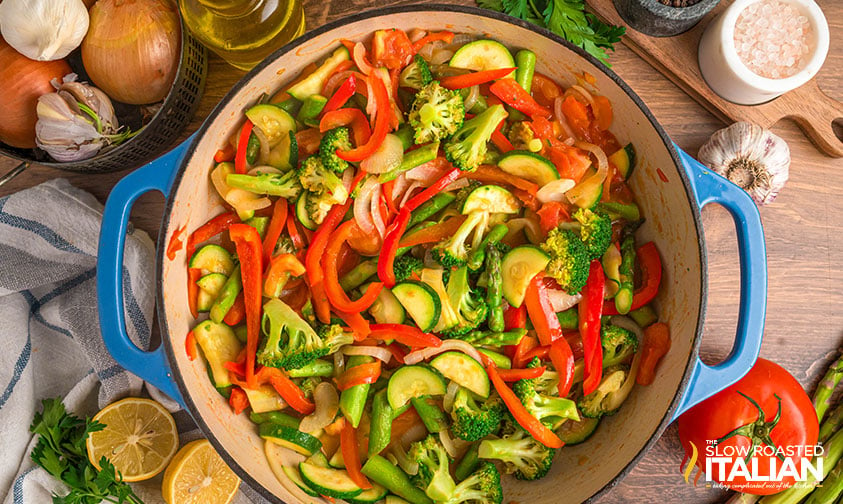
{"type": "Point", "coordinates": [243, 32]}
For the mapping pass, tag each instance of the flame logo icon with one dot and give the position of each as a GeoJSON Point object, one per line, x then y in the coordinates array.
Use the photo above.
{"type": "Point", "coordinates": [691, 463]}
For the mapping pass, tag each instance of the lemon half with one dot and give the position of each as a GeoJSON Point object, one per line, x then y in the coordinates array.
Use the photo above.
{"type": "Point", "coordinates": [198, 475]}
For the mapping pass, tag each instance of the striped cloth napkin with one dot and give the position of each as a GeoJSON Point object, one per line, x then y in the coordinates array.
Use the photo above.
{"type": "Point", "coordinates": [50, 332]}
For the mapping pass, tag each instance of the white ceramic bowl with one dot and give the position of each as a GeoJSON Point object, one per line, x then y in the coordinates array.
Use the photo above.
{"type": "Point", "coordinates": [669, 194]}
{"type": "Point", "coordinates": [729, 77]}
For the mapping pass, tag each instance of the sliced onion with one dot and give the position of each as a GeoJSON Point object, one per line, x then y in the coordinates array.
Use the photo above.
{"type": "Point", "coordinates": [335, 80]}
{"type": "Point", "coordinates": [602, 160]}
{"type": "Point", "coordinates": [263, 169]}
{"type": "Point", "coordinates": [426, 173]}
{"type": "Point", "coordinates": [264, 143]}
{"type": "Point", "coordinates": [471, 99]}
{"type": "Point", "coordinates": [449, 344]}
{"type": "Point", "coordinates": [630, 325]}
{"type": "Point", "coordinates": [386, 158]}
{"type": "Point", "coordinates": [415, 433]}
{"type": "Point", "coordinates": [363, 204]}
{"type": "Point", "coordinates": [448, 399]}
{"type": "Point", "coordinates": [416, 34]}
{"type": "Point", "coordinates": [377, 217]}
{"type": "Point", "coordinates": [557, 111]}
{"type": "Point", "coordinates": [243, 201]}
{"type": "Point", "coordinates": [409, 192]}
{"type": "Point", "coordinates": [327, 403]}
{"type": "Point", "coordinates": [555, 190]}
{"type": "Point", "coordinates": [380, 353]}
{"type": "Point", "coordinates": [426, 51]}
{"type": "Point", "coordinates": [402, 460]}
{"type": "Point", "coordinates": [447, 443]}
{"type": "Point", "coordinates": [399, 187]}
{"type": "Point", "coordinates": [561, 300]}
{"type": "Point", "coordinates": [460, 39]}
{"type": "Point", "coordinates": [585, 94]}
{"type": "Point", "coordinates": [339, 363]}
{"type": "Point", "coordinates": [347, 179]}
{"type": "Point", "coordinates": [529, 226]}
{"type": "Point", "coordinates": [440, 56]}
{"type": "Point", "coordinates": [359, 56]}
{"type": "Point", "coordinates": [218, 180]}
{"type": "Point", "coordinates": [457, 184]}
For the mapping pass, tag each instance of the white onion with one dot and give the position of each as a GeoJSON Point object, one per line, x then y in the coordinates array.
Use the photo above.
{"type": "Point", "coordinates": [448, 400]}
{"type": "Point", "coordinates": [379, 353]}
{"type": "Point", "coordinates": [471, 99]}
{"type": "Point", "coordinates": [630, 325]}
{"type": "Point", "coordinates": [415, 433]}
{"type": "Point", "coordinates": [257, 170]}
{"type": "Point", "coordinates": [416, 34]}
{"type": "Point", "coordinates": [555, 190]}
{"type": "Point", "coordinates": [243, 200]}
{"type": "Point", "coordinates": [218, 180]}
{"type": "Point", "coordinates": [457, 184]}
{"type": "Point", "coordinates": [409, 192]}
{"type": "Point", "coordinates": [377, 217]}
{"type": "Point", "coordinates": [557, 111]}
{"type": "Point", "coordinates": [585, 94]}
{"type": "Point", "coordinates": [327, 403]}
{"type": "Point", "coordinates": [264, 143]}
{"type": "Point", "coordinates": [359, 55]}
{"type": "Point", "coordinates": [362, 206]}
{"type": "Point", "coordinates": [339, 363]}
{"type": "Point", "coordinates": [602, 160]}
{"type": "Point", "coordinates": [460, 39]}
{"type": "Point", "coordinates": [447, 443]}
{"type": "Point", "coordinates": [386, 158]}
{"type": "Point", "coordinates": [347, 179]}
{"type": "Point", "coordinates": [561, 300]}
{"type": "Point", "coordinates": [449, 344]}
{"type": "Point", "coordinates": [427, 173]}
{"type": "Point", "coordinates": [401, 458]}
{"type": "Point", "coordinates": [440, 56]}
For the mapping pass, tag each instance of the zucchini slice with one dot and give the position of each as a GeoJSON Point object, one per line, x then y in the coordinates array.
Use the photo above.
{"type": "Point", "coordinates": [572, 432]}
{"type": "Point", "coordinates": [413, 381]}
{"type": "Point", "coordinates": [529, 166]}
{"type": "Point", "coordinates": [213, 259]}
{"type": "Point", "coordinates": [464, 370]}
{"type": "Point", "coordinates": [483, 55]}
{"type": "Point", "coordinates": [283, 470]}
{"type": "Point", "coordinates": [370, 496]}
{"type": "Point", "coordinates": [210, 287]}
{"type": "Point", "coordinates": [518, 268]}
{"type": "Point", "coordinates": [219, 345]}
{"type": "Point", "coordinates": [624, 160]}
{"type": "Point", "coordinates": [313, 83]}
{"type": "Point", "coordinates": [284, 155]}
{"type": "Point", "coordinates": [293, 473]}
{"type": "Point", "coordinates": [336, 460]}
{"type": "Point", "coordinates": [275, 122]}
{"type": "Point", "coordinates": [264, 399]}
{"type": "Point", "coordinates": [387, 309]}
{"type": "Point", "coordinates": [588, 192]}
{"type": "Point", "coordinates": [327, 481]}
{"type": "Point", "coordinates": [301, 211]}
{"type": "Point", "coordinates": [491, 199]}
{"type": "Point", "coordinates": [288, 437]}
{"type": "Point", "coordinates": [420, 301]}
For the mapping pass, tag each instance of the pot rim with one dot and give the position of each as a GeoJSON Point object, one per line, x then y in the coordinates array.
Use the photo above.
{"type": "Point", "coordinates": [436, 8]}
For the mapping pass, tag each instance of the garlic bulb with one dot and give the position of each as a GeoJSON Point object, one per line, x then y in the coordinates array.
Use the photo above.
{"type": "Point", "coordinates": [750, 156]}
{"type": "Point", "coordinates": [43, 30]}
{"type": "Point", "coordinates": [76, 121]}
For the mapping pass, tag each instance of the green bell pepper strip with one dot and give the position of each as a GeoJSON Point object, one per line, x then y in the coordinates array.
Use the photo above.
{"type": "Point", "coordinates": [353, 399]}
{"type": "Point", "coordinates": [225, 299]}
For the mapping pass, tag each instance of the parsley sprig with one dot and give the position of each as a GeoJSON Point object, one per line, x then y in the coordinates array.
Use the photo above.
{"type": "Point", "coordinates": [61, 451]}
{"type": "Point", "coordinates": [566, 18]}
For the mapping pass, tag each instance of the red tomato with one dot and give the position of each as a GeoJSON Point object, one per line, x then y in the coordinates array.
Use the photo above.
{"type": "Point", "coordinates": [717, 418]}
{"type": "Point", "coordinates": [391, 48]}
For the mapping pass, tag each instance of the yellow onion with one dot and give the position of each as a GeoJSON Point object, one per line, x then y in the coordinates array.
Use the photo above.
{"type": "Point", "coordinates": [132, 49]}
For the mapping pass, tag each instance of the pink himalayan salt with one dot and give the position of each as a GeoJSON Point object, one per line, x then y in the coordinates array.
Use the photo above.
{"type": "Point", "coordinates": [773, 39]}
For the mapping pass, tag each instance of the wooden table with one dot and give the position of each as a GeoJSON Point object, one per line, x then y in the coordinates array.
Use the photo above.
{"type": "Point", "coordinates": [804, 230]}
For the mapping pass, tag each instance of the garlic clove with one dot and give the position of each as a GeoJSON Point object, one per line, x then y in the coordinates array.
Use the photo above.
{"type": "Point", "coordinates": [750, 156]}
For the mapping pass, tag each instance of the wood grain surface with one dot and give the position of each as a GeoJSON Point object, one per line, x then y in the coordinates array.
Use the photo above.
{"type": "Point", "coordinates": [804, 234]}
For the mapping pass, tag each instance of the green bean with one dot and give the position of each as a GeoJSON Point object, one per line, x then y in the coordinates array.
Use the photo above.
{"type": "Point", "coordinates": [353, 399]}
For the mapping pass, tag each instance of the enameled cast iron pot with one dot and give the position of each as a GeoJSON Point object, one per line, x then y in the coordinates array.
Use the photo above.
{"type": "Point", "coordinates": [671, 205]}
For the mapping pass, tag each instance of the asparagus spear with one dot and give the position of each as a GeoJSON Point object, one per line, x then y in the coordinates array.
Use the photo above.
{"type": "Point", "coordinates": [742, 498]}
{"type": "Point", "coordinates": [826, 387]}
{"type": "Point", "coordinates": [794, 495]}
{"type": "Point", "coordinates": [832, 424]}
{"type": "Point", "coordinates": [831, 488]}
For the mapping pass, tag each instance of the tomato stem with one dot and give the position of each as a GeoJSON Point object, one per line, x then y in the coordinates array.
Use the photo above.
{"type": "Point", "coordinates": [758, 431]}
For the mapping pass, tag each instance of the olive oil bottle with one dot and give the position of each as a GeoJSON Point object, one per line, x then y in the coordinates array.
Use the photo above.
{"type": "Point", "coordinates": [243, 32]}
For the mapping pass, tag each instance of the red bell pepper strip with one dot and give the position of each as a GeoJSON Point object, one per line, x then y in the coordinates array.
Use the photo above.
{"type": "Point", "coordinates": [474, 78]}
{"type": "Point", "coordinates": [360, 129]}
{"type": "Point", "coordinates": [287, 389]}
{"type": "Point", "coordinates": [342, 66]}
{"type": "Point", "coordinates": [351, 456]}
{"type": "Point", "coordinates": [516, 374]}
{"type": "Point", "coordinates": [492, 175]}
{"type": "Point", "coordinates": [444, 36]}
{"type": "Point", "coordinates": [499, 139]}
{"type": "Point", "coordinates": [530, 423]}
{"type": "Point", "coordinates": [396, 228]}
{"type": "Point", "coordinates": [293, 231]}
{"type": "Point", "coordinates": [404, 334]}
{"type": "Point", "coordinates": [210, 229]}
{"type": "Point", "coordinates": [433, 190]}
{"type": "Point", "coordinates": [541, 313]}
{"type": "Point", "coordinates": [313, 259]}
{"type": "Point", "coordinates": [250, 253]}
{"type": "Point", "coordinates": [190, 346]}
{"type": "Point", "coordinates": [656, 344]}
{"type": "Point", "coordinates": [336, 295]}
{"type": "Point", "coordinates": [242, 147]}
{"type": "Point", "coordinates": [357, 323]}
{"type": "Point", "coordinates": [273, 231]}
{"type": "Point", "coordinates": [224, 154]}
{"type": "Point", "coordinates": [193, 275]}
{"type": "Point", "coordinates": [590, 309]}
{"type": "Point", "coordinates": [434, 233]}
{"type": "Point", "coordinates": [562, 358]}
{"type": "Point", "coordinates": [650, 264]}
{"type": "Point", "coordinates": [238, 400]}
{"type": "Point", "coordinates": [522, 351]}
{"type": "Point", "coordinates": [576, 113]}
{"type": "Point", "coordinates": [398, 352]}
{"type": "Point", "coordinates": [383, 112]}
{"type": "Point", "coordinates": [342, 95]}
{"type": "Point", "coordinates": [280, 269]}
{"type": "Point", "coordinates": [359, 375]}
{"type": "Point", "coordinates": [515, 318]}
{"type": "Point", "coordinates": [511, 93]}
{"type": "Point", "coordinates": [237, 312]}
{"type": "Point", "coordinates": [175, 243]}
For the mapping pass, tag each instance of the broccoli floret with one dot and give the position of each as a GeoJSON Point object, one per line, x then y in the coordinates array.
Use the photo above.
{"type": "Point", "coordinates": [405, 266]}
{"type": "Point", "coordinates": [473, 421]}
{"type": "Point", "coordinates": [416, 75]}
{"type": "Point", "coordinates": [453, 251]}
{"type": "Point", "coordinates": [522, 455]}
{"type": "Point", "coordinates": [290, 342]}
{"type": "Point", "coordinates": [469, 304]}
{"type": "Point", "coordinates": [467, 148]}
{"type": "Point", "coordinates": [436, 114]}
{"type": "Point", "coordinates": [324, 186]}
{"type": "Point", "coordinates": [523, 138]}
{"type": "Point", "coordinates": [434, 475]}
{"type": "Point", "coordinates": [483, 486]}
{"type": "Point", "coordinates": [309, 384]}
{"type": "Point", "coordinates": [569, 259]}
{"type": "Point", "coordinates": [462, 193]}
{"type": "Point", "coordinates": [285, 245]}
{"type": "Point", "coordinates": [332, 140]}
{"type": "Point", "coordinates": [618, 344]}
{"type": "Point", "coordinates": [595, 229]}
{"type": "Point", "coordinates": [545, 407]}
{"type": "Point", "coordinates": [317, 206]}
{"type": "Point", "coordinates": [596, 404]}
{"type": "Point", "coordinates": [285, 185]}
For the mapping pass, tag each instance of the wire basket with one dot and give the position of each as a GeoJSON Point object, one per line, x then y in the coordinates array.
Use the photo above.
{"type": "Point", "coordinates": [156, 135]}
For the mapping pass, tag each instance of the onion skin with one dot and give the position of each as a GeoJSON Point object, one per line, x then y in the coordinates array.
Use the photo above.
{"type": "Point", "coordinates": [132, 49]}
{"type": "Point", "coordinates": [25, 81]}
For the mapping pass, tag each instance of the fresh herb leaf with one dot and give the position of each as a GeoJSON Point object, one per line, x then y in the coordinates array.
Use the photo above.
{"type": "Point", "coordinates": [566, 18]}
{"type": "Point", "coordinates": [61, 451]}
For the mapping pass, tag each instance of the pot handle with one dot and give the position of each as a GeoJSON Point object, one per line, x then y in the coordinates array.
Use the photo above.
{"type": "Point", "coordinates": [158, 176]}
{"type": "Point", "coordinates": [710, 187]}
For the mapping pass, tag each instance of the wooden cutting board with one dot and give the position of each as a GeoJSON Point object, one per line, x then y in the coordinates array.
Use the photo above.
{"type": "Point", "coordinates": [676, 58]}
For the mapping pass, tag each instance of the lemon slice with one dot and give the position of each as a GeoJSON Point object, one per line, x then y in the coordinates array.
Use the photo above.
{"type": "Point", "coordinates": [197, 475]}
{"type": "Point", "coordinates": [140, 438]}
